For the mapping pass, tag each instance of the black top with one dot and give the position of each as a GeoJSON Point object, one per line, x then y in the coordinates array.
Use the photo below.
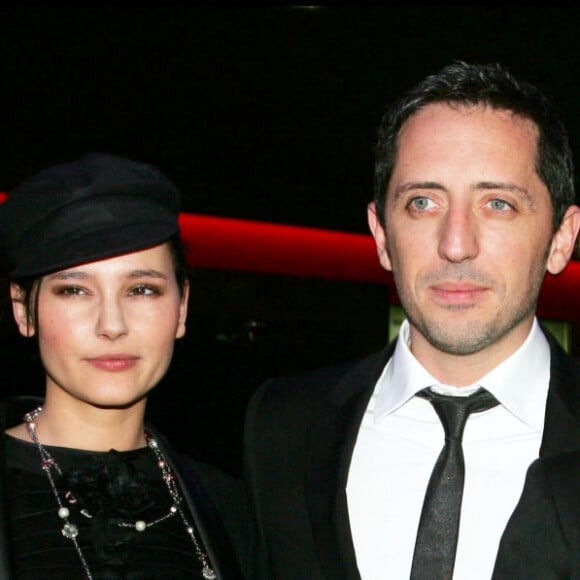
{"type": "Point", "coordinates": [112, 487]}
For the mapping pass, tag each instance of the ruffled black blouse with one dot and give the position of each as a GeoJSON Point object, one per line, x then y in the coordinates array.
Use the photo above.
{"type": "Point", "coordinates": [111, 487]}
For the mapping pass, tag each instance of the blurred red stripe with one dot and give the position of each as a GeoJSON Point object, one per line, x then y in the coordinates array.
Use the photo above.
{"type": "Point", "coordinates": [263, 247]}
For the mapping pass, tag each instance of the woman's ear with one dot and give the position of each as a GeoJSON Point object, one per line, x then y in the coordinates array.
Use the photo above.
{"type": "Point", "coordinates": [182, 311]}
{"type": "Point", "coordinates": [20, 310]}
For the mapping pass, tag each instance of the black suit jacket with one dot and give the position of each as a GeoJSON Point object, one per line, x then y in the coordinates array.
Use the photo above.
{"type": "Point", "coordinates": [300, 435]}
{"type": "Point", "coordinates": [542, 539]}
{"type": "Point", "coordinates": [226, 499]}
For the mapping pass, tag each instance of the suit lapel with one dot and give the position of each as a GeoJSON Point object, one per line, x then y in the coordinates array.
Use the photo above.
{"type": "Point", "coordinates": [331, 443]}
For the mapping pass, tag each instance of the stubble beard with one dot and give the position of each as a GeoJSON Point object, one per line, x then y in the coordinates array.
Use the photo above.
{"type": "Point", "coordinates": [473, 336]}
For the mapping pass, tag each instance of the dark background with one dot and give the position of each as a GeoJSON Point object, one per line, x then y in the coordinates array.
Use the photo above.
{"type": "Point", "coordinates": [260, 112]}
{"type": "Point", "coordinates": [266, 113]}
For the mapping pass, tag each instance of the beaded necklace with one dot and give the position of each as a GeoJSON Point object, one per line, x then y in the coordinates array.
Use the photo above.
{"type": "Point", "coordinates": [71, 531]}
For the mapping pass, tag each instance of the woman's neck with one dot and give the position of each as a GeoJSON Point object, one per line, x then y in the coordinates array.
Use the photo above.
{"type": "Point", "coordinates": [77, 425]}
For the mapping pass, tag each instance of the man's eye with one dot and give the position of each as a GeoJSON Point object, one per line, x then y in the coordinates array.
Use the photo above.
{"type": "Point", "coordinates": [499, 205]}
{"type": "Point", "coordinates": [420, 203]}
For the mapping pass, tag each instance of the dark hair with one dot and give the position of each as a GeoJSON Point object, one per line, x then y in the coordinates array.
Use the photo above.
{"type": "Point", "coordinates": [463, 84]}
{"type": "Point", "coordinates": [179, 260]}
{"type": "Point", "coordinates": [30, 285]}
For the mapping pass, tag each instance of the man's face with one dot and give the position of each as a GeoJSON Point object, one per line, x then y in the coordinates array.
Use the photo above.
{"type": "Point", "coordinates": [468, 231]}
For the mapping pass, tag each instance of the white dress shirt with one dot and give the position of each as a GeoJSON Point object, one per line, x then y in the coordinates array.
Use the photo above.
{"type": "Point", "coordinates": [400, 439]}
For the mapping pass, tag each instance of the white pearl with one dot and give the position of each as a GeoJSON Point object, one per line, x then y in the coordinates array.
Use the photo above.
{"type": "Point", "coordinates": [63, 513]}
{"type": "Point", "coordinates": [140, 526]}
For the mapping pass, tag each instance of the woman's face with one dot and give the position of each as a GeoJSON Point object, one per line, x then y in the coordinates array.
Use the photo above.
{"type": "Point", "coordinates": [106, 329]}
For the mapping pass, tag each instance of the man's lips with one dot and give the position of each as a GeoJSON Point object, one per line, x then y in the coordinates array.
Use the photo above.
{"type": "Point", "coordinates": [458, 292]}
{"type": "Point", "coordinates": [113, 362]}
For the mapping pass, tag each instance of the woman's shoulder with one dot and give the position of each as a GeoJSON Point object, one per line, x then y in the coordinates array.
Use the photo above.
{"type": "Point", "coordinates": [13, 409]}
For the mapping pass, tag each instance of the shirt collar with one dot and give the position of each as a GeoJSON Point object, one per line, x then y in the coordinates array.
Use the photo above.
{"type": "Point", "coordinates": [519, 383]}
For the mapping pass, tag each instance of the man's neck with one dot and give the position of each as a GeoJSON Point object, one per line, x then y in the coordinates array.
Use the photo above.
{"type": "Point", "coordinates": [465, 369]}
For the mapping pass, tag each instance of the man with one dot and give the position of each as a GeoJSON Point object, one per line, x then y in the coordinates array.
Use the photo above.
{"type": "Point", "coordinates": [473, 204]}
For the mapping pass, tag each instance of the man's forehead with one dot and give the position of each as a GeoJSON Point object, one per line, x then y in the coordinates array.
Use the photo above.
{"type": "Point", "coordinates": [474, 143]}
{"type": "Point", "coordinates": [484, 114]}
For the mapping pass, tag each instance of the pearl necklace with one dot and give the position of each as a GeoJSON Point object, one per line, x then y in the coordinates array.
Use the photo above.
{"type": "Point", "coordinates": [71, 531]}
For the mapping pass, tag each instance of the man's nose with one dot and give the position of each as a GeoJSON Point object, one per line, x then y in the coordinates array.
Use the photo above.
{"type": "Point", "coordinates": [458, 238]}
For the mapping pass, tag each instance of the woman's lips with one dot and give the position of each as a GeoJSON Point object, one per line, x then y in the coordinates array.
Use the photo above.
{"type": "Point", "coordinates": [113, 362]}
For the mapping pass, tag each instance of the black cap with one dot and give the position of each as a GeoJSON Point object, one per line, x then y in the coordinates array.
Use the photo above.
{"type": "Point", "coordinates": [94, 208]}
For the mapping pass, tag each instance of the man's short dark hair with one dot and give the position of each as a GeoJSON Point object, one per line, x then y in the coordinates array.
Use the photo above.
{"type": "Point", "coordinates": [462, 84]}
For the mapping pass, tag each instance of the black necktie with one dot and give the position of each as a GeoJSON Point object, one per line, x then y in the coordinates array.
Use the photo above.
{"type": "Point", "coordinates": [436, 543]}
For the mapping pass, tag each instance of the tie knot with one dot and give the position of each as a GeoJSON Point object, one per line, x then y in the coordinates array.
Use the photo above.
{"type": "Point", "coordinates": [454, 411]}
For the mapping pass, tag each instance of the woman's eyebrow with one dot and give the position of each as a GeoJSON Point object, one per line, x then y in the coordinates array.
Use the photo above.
{"type": "Point", "coordinates": [69, 275]}
{"type": "Point", "coordinates": [147, 273]}
{"type": "Point", "coordinates": [82, 275]}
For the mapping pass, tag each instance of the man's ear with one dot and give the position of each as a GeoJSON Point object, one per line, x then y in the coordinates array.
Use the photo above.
{"type": "Point", "coordinates": [564, 240]}
{"type": "Point", "coordinates": [20, 310]}
{"type": "Point", "coordinates": [380, 235]}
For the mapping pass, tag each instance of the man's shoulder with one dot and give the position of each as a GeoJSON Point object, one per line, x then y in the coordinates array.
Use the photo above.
{"type": "Point", "coordinates": [564, 377]}
{"type": "Point", "coordinates": [560, 357]}
{"type": "Point", "coordinates": [310, 388]}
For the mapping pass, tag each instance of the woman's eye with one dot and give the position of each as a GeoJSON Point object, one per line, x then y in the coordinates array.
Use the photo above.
{"type": "Point", "coordinates": [143, 290]}
{"type": "Point", "coordinates": [70, 291]}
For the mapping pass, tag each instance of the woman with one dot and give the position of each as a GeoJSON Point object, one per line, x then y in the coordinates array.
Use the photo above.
{"type": "Point", "coordinates": [98, 279]}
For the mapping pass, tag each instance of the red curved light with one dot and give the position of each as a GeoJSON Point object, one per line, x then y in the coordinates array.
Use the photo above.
{"type": "Point", "coordinates": [262, 247]}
